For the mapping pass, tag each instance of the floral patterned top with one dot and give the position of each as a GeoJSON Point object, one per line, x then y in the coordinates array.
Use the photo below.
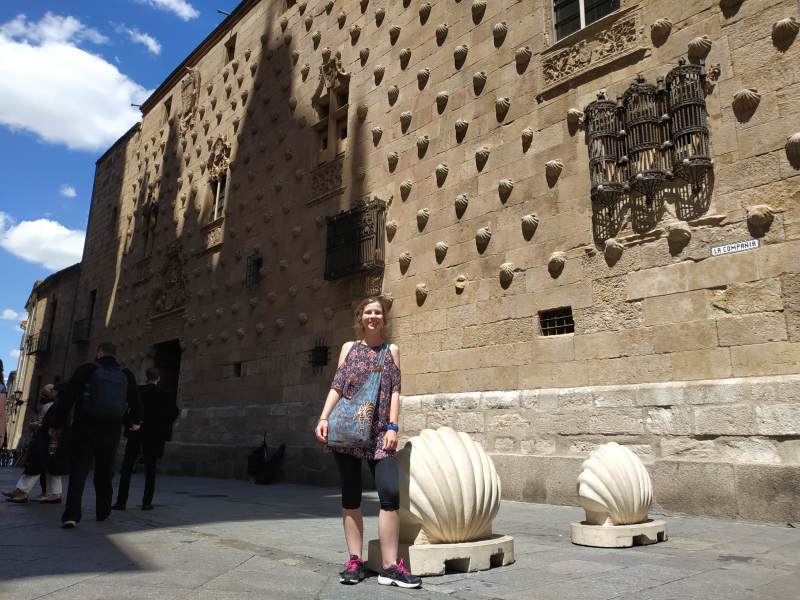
{"type": "Point", "coordinates": [348, 380]}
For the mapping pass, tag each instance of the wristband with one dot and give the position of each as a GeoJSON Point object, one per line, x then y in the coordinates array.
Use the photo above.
{"type": "Point", "coordinates": [392, 427]}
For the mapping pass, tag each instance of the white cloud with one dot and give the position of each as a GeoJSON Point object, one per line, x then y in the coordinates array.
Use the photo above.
{"type": "Point", "coordinates": [51, 29]}
{"type": "Point", "coordinates": [14, 353]}
{"type": "Point", "coordinates": [42, 241]}
{"type": "Point", "coordinates": [60, 92]}
{"type": "Point", "coordinates": [148, 41]}
{"type": "Point", "coordinates": [181, 8]}
{"type": "Point", "coordinates": [67, 191]}
{"type": "Point", "coordinates": [12, 315]}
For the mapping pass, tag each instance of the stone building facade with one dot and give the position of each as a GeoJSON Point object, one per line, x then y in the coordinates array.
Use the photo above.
{"type": "Point", "coordinates": [46, 347]}
{"type": "Point", "coordinates": [307, 153]}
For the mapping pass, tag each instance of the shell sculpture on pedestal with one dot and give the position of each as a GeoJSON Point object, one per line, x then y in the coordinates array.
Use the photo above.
{"type": "Point", "coordinates": [450, 490]}
{"type": "Point", "coordinates": [614, 487]}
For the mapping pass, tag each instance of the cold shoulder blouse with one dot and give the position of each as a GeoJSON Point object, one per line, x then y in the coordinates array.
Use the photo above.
{"type": "Point", "coordinates": [351, 375]}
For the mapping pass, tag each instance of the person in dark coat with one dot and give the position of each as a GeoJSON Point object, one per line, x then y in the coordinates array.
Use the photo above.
{"type": "Point", "coordinates": [47, 456]}
{"type": "Point", "coordinates": [159, 411]}
{"type": "Point", "coordinates": [101, 392]}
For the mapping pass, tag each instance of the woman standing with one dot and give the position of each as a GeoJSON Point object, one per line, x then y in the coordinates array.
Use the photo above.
{"type": "Point", "coordinates": [356, 361]}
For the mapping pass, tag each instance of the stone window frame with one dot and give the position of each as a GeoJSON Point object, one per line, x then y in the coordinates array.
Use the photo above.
{"type": "Point", "coordinates": [218, 208]}
{"type": "Point", "coordinates": [581, 16]}
{"type": "Point", "coordinates": [331, 100]}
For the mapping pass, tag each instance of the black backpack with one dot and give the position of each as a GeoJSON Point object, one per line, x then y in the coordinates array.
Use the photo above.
{"type": "Point", "coordinates": [106, 394]}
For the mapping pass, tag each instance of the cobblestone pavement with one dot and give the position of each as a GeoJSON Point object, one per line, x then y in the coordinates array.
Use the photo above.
{"type": "Point", "coordinates": [225, 540]}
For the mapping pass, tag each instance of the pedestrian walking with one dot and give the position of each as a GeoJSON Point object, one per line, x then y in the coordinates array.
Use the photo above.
{"type": "Point", "coordinates": [366, 392]}
{"type": "Point", "coordinates": [47, 456]}
{"type": "Point", "coordinates": [3, 400]}
{"type": "Point", "coordinates": [101, 393]}
{"type": "Point", "coordinates": [159, 411]}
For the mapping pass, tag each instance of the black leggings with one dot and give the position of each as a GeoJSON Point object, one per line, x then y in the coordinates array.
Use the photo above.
{"type": "Point", "coordinates": [386, 480]}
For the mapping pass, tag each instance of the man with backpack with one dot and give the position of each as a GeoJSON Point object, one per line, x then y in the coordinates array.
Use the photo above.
{"type": "Point", "coordinates": [102, 392]}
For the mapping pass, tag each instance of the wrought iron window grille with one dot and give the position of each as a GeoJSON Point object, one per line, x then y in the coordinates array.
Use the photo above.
{"type": "Point", "coordinates": [38, 343]}
{"type": "Point", "coordinates": [557, 321]}
{"type": "Point", "coordinates": [355, 240]}
{"type": "Point", "coordinates": [651, 135]}
{"type": "Point", "coordinates": [252, 275]}
{"type": "Point", "coordinates": [319, 355]}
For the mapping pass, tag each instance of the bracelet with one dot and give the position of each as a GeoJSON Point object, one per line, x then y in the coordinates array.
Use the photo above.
{"type": "Point", "coordinates": [392, 427]}
{"type": "Point", "coordinates": [322, 419]}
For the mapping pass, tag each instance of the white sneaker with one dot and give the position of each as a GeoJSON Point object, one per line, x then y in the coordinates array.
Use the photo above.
{"type": "Point", "coordinates": [68, 525]}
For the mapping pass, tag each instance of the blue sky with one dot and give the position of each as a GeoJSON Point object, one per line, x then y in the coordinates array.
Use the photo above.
{"type": "Point", "coordinates": [69, 70]}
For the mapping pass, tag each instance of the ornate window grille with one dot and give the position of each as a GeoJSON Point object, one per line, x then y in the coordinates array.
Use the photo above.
{"type": "Point", "coordinates": [557, 321]}
{"type": "Point", "coordinates": [604, 126]}
{"type": "Point", "coordinates": [355, 241]}
{"type": "Point", "coordinates": [646, 136]}
{"type": "Point", "coordinates": [38, 343]}
{"type": "Point", "coordinates": [691, 152]}
{"type": "Point", "coordinates": [663, 133]}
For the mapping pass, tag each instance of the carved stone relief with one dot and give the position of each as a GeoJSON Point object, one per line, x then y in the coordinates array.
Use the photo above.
{"type": "Point", "coordinates": [190, 95]}
{"type": "Point", "coordinates": [170, 294]}
{"type": "Point", "coordinates": [327, 181]}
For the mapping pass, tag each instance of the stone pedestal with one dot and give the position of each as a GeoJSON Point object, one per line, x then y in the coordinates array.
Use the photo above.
{"type": "Point", "coordinates": [434, 559]}
{"type": "Point", "coordinates": [618, 536]}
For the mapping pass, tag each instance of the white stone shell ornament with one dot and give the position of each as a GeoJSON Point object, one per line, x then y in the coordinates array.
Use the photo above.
{"type": "Point", "coordinates": [440, 251]}
{"type": "Point", "coordinates": [793, 150]}
{"type": "Point", "coordinates": [746, 100]}
{"type": "Point", "coordinates": [660, 30]}
{"type": "Point", "coordinates": [450, 489]}
{"type": "Point", "coordinates": [530, 224]}
{"type": "Point", "coordinates": [441, 33]}
{"type": "Point", "coordinates": [614, 487]}
{"type": "Point", "coordinates": [499, 32]}
{"type": "Point", "coordinates": [423, 214]}
{"type": "Point", "coordinates": [460, 55]}
{"type": "Point", "coordinates": [461, 204]}
{"type": "Point", "coordinates": [421, 292]}
{"type": "Point", "coordinates": [441, 101]}
{"type": "Point", "coordinates": [405, 260]}
{"type": "Point", "coordinates": [556, 263]}
{"type": "Point", "coordinates": [482, 238]}
{"type": "Point", "coordinates": [441, 173]}
{"type": "Point", "coordinates": [613, 250]}
{"type": "Point", "coordinates": [506, 274]}
{"type": "Point", "coordinates": [699, 48]}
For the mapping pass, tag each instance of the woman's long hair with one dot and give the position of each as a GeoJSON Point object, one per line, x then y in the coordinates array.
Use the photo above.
{"type": "Point", "coordinates": [359, 328]}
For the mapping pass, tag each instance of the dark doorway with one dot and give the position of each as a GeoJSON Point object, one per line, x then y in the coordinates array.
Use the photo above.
{"type": "Point", "coordinates": [167, 360]}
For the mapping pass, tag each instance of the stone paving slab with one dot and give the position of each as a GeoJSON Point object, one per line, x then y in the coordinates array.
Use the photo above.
{"type": "Point", "coordinates": [212, 539]}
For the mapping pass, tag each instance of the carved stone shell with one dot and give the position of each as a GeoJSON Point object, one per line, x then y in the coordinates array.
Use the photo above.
{"type": "Point", "coordinates": [461, 283]}
{"type": "Point", "coordinates": [284, 22]}
{"type": "Point", "coordinates": [613, 250]}
{"type": "Point", "coordinates": [461, 204]}
{"type": "Point", "coordinates": [423, 214]}
{"type": "Point", "coordinates": [393, 93]}
{"type": "Point", "coordinates": [522, 56]}
{"type": "Point", "coordinates": [450, 490]}
{"type": "Point", "coordinates": [527, 138]}
{"type": "Point", "coordinates": [441, 101]}
{"type": "Point", "coordinates": [679, 234]}
{"type": "Point", "coordinates": [421, 291]}
{"type": "Point", "coordinates": [329, 6]}
{"type": "Point", "coordinates": [504, 189]}
{"type": "Point", "coordinates": [479, 81]}
{"type": "Point", "coordinates": [660, 30]}
{"type": "Point", "coordinates": [501, 106]}
{"type": "Point", "coordinates": [499, 32]}
{"type": "Point", "coordinates": [461, 127]}
{"type": "Point", "coordinates": [378, 73]}
{"type": "Point", "coordinates": [482, 237]}
{"type": "Point", "coordinates": [441, 173]}
{"type": "Point", "coordinates": [316, 37]}
{"type": "Point", "coordinates": [441, 33]}
{"type": "Point", "coordinates": [405, 260]}
{"type": "Point", "coordinates": [302, 318]}
{"type": "Point", "coordinates": [760, 217]}
{"type": "Point", "coordinates": [304, 70]}
{"type": "Point", "coordinates": [555, 264]}
{"type": "Point", "coordinates": [405, 56]}
{"type": "Point", "coordinates": [392, 158]}
{"type": "Point", "coordinates": [394, 34]}
{"type": "Point", "coordinates": [391, 229]}
{"type": "Point", "coordinates": [377, 132]}
{"type": "Point", "coordinates": [506, 274]}
{"type": "Point", "coordinates": [424, 13]}
{"type": "Point", "coordinates": [405, 188]}
{"type": "Point", "coordinates": [478, 8]}
{"type": "Point", "coordinates": [699, 48]}
{"type": "Point", "coordinates": [363, 54]}
{"type": "Point", "coordinates": [481, 156]}
{"type": "Point", "coordinates": [309, 21]}
{"type": "Point", "coordinates": [784, 32]}
{"type": "Point", "coordinates": [287, 38]}
{"type": "Point", "coordinates": [460, 55]}
{"type": "Point", "coordinates": [440, 250]}
{"type": "Point", "coordinates": [614, 487]}
{"type": "Point", "coordinates": [530, 224]}
{"type": "Point", "coordinates": [422, 144]}
{"type": "Point", "coordinates": [405, 120]}
{"type": "Point", "coordinates": [746, 100]}
{"type": "Point", "coordinates": [380, 14]}
{"type": "Point", "coordinates": [422, 77]}
{"type": "Point", "coordinates": [341, 18]}
{"type": "Point", "coordinates": [280, 323]}
{"type": "Point", "coordinates": [361, 111]}
{"type": "Point", "coordinates": [792, 149]}
{"type": "Point", "coordinates": [574, 118]}
{"type": "Point", "coordinates": [552, 169]}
